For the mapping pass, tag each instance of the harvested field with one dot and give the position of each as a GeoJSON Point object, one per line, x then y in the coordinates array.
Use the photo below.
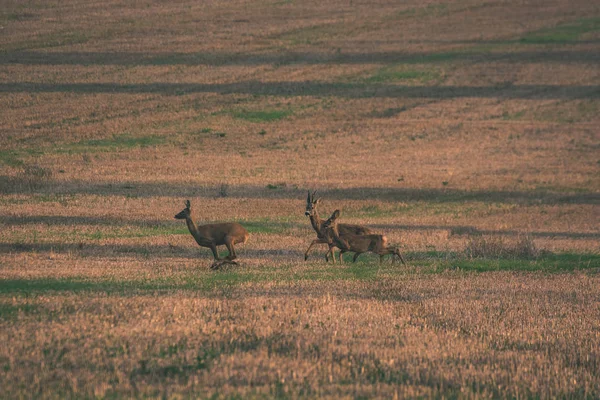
{"type": "Point", "coordinates": [466, 132]}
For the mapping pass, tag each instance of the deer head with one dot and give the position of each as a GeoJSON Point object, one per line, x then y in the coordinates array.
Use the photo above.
{"type": "Point", "coordinates": [186, 212]}
{"type": "Point", "coordinates": [311, 204]}
{"type": "Point", "coordinates": [331, 223]}
{"type": "Point", "coordinates": [330, 231]}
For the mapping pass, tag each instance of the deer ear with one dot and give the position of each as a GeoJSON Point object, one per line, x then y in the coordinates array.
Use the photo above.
{"type": "Point", "coordinates": [187, 204]}
{"type": "Point", "coordinates": [317, 201]}
{"type": "Point", "coordinates": [308, 198]}
{"type": "Point", "coordinates": [336, 214]}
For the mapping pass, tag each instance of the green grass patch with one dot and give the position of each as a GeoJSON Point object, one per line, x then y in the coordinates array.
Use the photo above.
{"type": "Point", "coordinates": [506, 116]}
{"type": "Point", "coordinates": [78, 284]}
{"type": "Point", "coordinates": [124, 141]}
{"type": "Point", "coordinates": [117, 142]}
{"type": "Point", "coordinates": [548, 262]}
{"type": "Point", "coordinates": [16, 16]}
{"type": "Point", "coordinates": [262, 116]}
{"type": "Point", "coordinates": [11, 158]}
{"type": "Point", "coordinates": [568, 111]}
{"type": "Point", "coordinates": [10, 311]}
{"type": "Point", "coordinates": [367, 268]}
{"type": "Point", "coordinates": [564, 33]}
{"type": "Point", "coordinates": [114, 143]}
{"type": "Point", "coordinates": [358, 270]}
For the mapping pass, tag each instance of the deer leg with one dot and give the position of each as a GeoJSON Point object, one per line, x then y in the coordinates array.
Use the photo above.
{"type": "Point", "coordinates": [218, 262]}
{"type": "Point", "coordinates": [355, 256]}
{"type": "Point", "coordinates": [332, 252]}
{"type": "Point", "coordinates": [400, 256]}
{"type": "Point", "coordinates": [229, 244]}
{"type": "Point", "coordinates": [316, 241]}
{"type": "Point", "coordinates": [213, 248]}
{"type": "Point", "coordinates": [394, 251]}
{"type": "Point", "coordinates": [342, 251]}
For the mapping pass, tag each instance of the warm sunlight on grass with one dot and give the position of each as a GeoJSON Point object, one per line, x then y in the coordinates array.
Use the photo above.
{"type": "Point", "coordinates": [466, 132]}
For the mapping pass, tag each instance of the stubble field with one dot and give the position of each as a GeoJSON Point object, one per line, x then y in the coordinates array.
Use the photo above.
{"type": "Point", "coordinates": [465, 131]}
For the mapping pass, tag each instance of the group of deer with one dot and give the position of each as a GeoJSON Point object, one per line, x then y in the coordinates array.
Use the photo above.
{"type": "Point", "coordinates": [348, 238]}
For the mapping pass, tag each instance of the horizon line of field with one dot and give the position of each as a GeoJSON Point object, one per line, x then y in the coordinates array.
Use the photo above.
{"type": "Point", "coordinates": [316, 88]}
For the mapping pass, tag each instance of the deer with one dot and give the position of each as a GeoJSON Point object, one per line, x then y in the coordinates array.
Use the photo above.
{"type": "Point", "coordinates": [213, 235]}
{"type": "Point", "coordinates": [317, 224]}
{"type": "Point", "coordinates": [359, 243]}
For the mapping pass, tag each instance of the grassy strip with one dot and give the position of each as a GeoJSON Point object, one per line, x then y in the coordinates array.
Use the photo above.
{"type": "Point", "coordinates": [367, 270]}
{"type": "Point", "coordinates": [13, 158]}
{"type": "Point", "coordinates": [550, 262]}
{"type": "Point", "coordinates": [564, 33]}
{"type": "Point", "coordinates": [117, 142]}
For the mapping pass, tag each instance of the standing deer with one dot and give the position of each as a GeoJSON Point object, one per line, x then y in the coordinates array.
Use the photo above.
{"type": "Point", "coordinates": [317, 224]}
{"type": "Point", "coordinates": [213, 235]}
{"type": "Point", "coordinates": [359, 243]}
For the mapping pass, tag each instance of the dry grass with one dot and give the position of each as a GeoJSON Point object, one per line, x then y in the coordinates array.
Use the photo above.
{"type": "Point", "coordinates": [464, 131]}
{"type": "Point", "coordinates": [522, 248]}
{"type": "Point", "coordinates": [486, 335]}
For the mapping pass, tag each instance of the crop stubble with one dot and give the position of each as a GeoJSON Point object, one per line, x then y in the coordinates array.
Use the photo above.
{"type": "Point", "coordinates": [433, 123]}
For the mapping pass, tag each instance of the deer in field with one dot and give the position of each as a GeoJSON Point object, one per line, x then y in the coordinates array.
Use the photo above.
{"type": "Point", "coordinates": [213, 235]}
{"type": "Point", "coordinates": [359, 243]}
{"type": "Point", "coordinates": [317, 224]}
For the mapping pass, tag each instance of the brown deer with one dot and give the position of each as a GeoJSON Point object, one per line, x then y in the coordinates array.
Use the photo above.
{"type": "Point", "coordinates": [317, 224]}
{"type": "Point", "coordinates": [359, 243]}
{"type": "Point", "coordinates": [213, 235]}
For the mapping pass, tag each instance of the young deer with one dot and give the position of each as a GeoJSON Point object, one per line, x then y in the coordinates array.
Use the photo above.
{"type": "Point", "coordinates": [317, 224]}
{"type": "Point", "coordinates": [213, 235]}
{"type": "Point", "coordinates": [359, 243]}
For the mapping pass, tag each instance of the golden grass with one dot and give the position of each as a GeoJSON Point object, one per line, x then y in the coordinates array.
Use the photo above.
{"type": "Point", "coordinates": [437, 124]}
{"type": "Point", "coordinates": [487, 335]}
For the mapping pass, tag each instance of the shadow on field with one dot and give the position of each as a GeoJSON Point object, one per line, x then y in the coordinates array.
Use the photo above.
{"type": "Point", "coordinates": [316, 88]}
{"type": "Point", "coordinates": [219, 285]}
{"type": "Point", "coordinates": [255, 59]}
{"type": "Point", "coordinates": [192, 252]}
{"type": "Point", "coordinates": [184, 190]}
{"type": "Point", "coordinates": [80, 220]}
{"type": "Point", "coordinates": [151, 228]}
{"type": "Point", "coordinates": [473, 231]}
